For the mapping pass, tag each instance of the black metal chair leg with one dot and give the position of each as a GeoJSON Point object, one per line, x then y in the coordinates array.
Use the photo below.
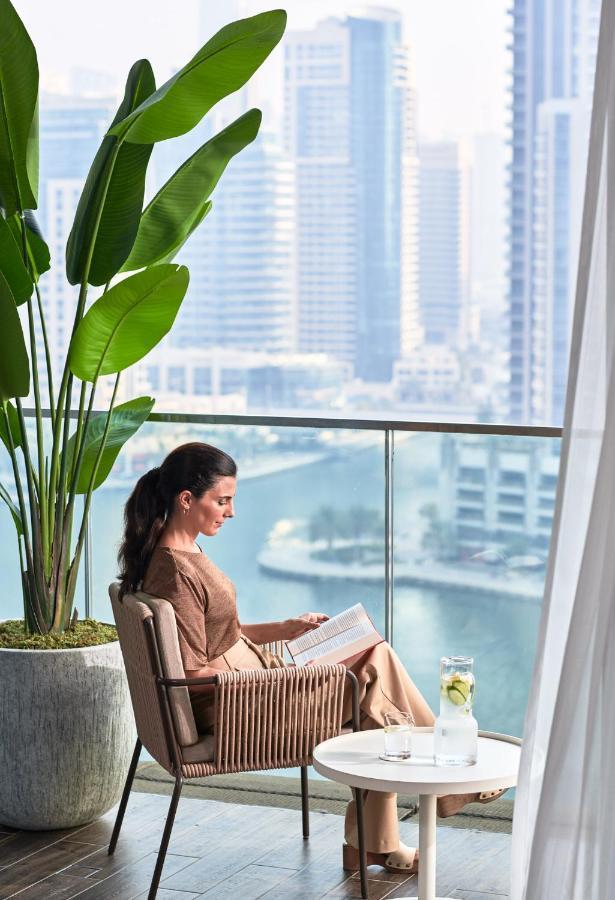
{"type": "Point", "coordinates": [168, 828]}
{"type": "Point", "coordinates": [361, 831]}
{"type": "Point", "coordinates": [124, 801]}
{"type": "Point", "coordinates": [305, 803]}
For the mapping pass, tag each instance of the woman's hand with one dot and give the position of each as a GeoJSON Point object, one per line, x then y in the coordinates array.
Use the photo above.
{"type": "Point", "coordinates": [297, 626]}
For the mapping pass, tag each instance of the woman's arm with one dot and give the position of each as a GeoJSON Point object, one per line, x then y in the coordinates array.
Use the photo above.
{"type": "Point", "coordinates": [203, 672]}
{"type": "Point", "coordinates": [267, 632]}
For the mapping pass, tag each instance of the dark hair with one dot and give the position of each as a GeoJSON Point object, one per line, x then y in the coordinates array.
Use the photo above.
{"type": "Point", "coordinates": [192, 467]}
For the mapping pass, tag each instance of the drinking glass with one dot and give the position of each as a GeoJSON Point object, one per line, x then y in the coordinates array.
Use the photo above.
{"type": "Point", "coordinates": [397, 735]}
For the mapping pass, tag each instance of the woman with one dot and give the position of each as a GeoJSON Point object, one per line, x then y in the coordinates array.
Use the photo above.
{"type": "Point", "coordinates": [192, 493]}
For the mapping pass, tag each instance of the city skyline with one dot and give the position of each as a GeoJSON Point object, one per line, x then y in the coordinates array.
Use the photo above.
{"type": "Point", "coordinates": [345, 230]}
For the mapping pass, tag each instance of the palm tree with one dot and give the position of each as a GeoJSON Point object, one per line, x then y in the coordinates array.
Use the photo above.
{"type": "Point", "coordinates": [324, 525]}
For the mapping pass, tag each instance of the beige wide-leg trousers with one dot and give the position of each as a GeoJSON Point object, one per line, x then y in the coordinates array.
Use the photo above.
{"type": "Point", "coordinates": [384, 686]}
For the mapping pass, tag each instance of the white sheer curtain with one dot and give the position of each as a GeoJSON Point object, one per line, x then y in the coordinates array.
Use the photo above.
{"type": "Point", "coordinates": [564, 823]}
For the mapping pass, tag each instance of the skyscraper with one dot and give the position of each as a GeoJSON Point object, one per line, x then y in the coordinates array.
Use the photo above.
{"type": "Point", "coordinates": [554, 48]}
{"type": "Point", "coordinates": [241, 259]}
{"type": "Point", "coordinates": [559, 168]}
{"type": "Point", "coordinates": [71, 129]}
{"type": "Point", "coordinates": [379, 98]}
{"type": "Point", "coordinates": [487, 238]}
{"type": "Point", "coordinates": [441, 241]}
{"type": "Point", "coordinates": [350, 131]}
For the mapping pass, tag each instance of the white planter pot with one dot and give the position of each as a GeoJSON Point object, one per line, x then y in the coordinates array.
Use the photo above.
{"type": "Point", "coordinates": [66, 735]}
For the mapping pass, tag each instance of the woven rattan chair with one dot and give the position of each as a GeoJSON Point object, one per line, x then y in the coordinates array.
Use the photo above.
{"type": "Point", "coordinates": [264, 718]}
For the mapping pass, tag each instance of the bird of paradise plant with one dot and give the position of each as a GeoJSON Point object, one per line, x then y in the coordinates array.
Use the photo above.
{"type": "Point", "coordinates": [117, 246]}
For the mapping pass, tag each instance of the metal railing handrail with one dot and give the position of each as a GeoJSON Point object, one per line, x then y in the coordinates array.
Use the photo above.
{"type": "Point", "coordinates": [436, 427]}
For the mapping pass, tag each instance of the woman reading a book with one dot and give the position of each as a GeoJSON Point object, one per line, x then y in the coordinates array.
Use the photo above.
{"type": "Point", "coordinates": [191, 494]}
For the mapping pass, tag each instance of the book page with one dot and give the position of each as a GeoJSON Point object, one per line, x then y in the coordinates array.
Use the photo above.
{"type": "Point", "coordinates": [340, 631]}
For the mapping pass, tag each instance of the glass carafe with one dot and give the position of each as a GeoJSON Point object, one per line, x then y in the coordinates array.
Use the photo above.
{"type": "Point", "coordinates": [456, 729]}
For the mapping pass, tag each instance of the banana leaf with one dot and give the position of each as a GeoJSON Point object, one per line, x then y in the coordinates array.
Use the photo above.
{"type": "Point", "coordinates": [126, 419]}
{"type": "Point", "coordinates": [38, 251]}
{"type": "Point", "coordinates": [14, 363]}
{"type": "Point", "coordinates": [13, 425]}
{"type": "Point", "coordinates": [18, 113]}
{"type": "Point", "coordinates": [127, 322]}
{"type": "Point", "coordinates": [4, 495]}
{"type": "Point", "coordinates": [116, 181]}
{"type": "Point", "coordinates": [12, 265]}
{"type": "Point", "coordinates": [182, 203]}
{"type": "Point", "coordinates": [220, 68]}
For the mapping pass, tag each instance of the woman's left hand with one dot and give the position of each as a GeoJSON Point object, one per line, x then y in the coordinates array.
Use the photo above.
{"type": "Point", "coordinates": [318, 618]}
{"type": "Point", "coordinates": [297, 626]}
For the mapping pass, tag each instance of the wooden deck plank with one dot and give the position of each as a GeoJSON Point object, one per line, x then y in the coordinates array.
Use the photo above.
{"type": "Point", "coordinates": [21, 844]}
{"type": "Point", "coordinates": [225, 851]}
{"type": "Point", "coordinates": [249, 883]}
{"type": "Point", "coordinates": [72, 880]}
{"type": "Point", "coordinates": [230, 849]}
{"type": "Point", "coordinates": [164, 894]}
{"type": "Point", "coordinates": [476, 895]}
{"type": "Point", "coordinates": [132, 881]}
{"type": "Point", "coordinates": [37, 866]}
{"type": "Point", "coordinates": [474, 861]}
{"type": "Point", "coordinates": [378, 889]}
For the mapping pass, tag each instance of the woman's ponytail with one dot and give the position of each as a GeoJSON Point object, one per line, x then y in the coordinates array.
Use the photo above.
{"type": "Point", "coordinates": [144, 518]}
{"type": "Point", "coordinates": [193, 467]}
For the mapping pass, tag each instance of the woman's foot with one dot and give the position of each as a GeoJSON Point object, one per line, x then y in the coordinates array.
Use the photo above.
{"type": "Point", "coordinates": [451, 804]}
{"type": "Point", "coordinates": [404, 860]}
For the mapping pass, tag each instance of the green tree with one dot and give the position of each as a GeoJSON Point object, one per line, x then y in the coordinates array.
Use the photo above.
{"type": "Point", "coordinates": [362, 523]}
{"type": "Point", "coordinates": [324, 525]}
{"type": "Point", "coordinates": [437, 536]}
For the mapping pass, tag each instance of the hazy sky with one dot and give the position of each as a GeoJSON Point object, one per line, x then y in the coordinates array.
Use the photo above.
{"type": "Point", "coordinates": [458, 46]}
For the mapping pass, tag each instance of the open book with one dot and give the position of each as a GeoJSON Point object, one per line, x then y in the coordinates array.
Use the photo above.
{"type": "Point", "coordinates": [337, 639]}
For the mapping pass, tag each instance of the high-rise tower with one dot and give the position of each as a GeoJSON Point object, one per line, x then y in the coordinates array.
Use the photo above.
{"type": "Point", "coordinates": [350, 132]}
{"type": "Point", "coordinates": [441, 245]}
{"type": "Point", "coordinates": [554, 48]}
{"type": "Point", "coordinates": [71, 129]}
{"type": "Point", "coordinates": [241, 258]}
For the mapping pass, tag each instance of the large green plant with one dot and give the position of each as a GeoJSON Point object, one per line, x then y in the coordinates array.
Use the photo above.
{"type": "Point", "coordinates": [112, 234]}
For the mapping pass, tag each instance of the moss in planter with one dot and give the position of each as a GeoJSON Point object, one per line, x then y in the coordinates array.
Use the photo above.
{"type": "Point", "coordinates": [87, 633]}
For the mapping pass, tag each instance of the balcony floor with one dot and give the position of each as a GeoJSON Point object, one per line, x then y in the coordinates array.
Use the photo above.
{"type": "Point", "coordinates": [223, 851]}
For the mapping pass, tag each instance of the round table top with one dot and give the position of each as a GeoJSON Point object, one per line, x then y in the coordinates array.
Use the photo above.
{"type": "Point", "coordinates": [353, 759]}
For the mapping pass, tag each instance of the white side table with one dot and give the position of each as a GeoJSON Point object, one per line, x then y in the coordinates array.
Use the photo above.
{"type": "Point", "coordinates": [353, 759]}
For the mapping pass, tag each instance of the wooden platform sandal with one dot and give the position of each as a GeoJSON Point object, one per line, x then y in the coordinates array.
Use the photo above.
{"type": "Point", "coordinates": [404, 860]}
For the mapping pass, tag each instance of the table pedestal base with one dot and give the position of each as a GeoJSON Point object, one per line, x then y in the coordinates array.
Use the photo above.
{"type": "Point", "coordinates": [427, 849]}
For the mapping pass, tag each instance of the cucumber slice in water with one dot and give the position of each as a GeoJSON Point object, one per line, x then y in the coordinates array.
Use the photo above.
{"type": "Point", "coordinates": [456, 697]}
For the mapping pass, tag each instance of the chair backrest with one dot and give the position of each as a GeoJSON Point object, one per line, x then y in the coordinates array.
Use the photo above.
{"type": "Point", "coordinates": [172, 666]}
{"type": "Point", "coordinates": [131, 614]}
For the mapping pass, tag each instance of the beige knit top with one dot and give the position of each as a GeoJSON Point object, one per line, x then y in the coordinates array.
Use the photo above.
{"type": "Point", "coordinates": [203, 598]}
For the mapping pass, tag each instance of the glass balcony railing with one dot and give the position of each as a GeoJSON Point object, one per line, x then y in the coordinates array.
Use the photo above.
{"type": "Point", "coordinates": [440, 530]}
{"type": "Point", "coordinates": [468, 572]}
{"type": "Point", "coordinates": [307, 501]}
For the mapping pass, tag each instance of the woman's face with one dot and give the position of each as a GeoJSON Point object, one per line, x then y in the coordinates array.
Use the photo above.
{"type": "Point", "coordinates": [208, 513]}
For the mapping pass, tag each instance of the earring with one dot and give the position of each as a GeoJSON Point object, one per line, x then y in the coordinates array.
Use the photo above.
{"type": "Point", "coordinates": [185, 510]}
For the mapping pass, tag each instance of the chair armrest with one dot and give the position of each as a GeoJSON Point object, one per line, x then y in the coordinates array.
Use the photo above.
{"type": "Point", "coordinates": [277, 647]}
{"type": "Point", "coordinates": [186, 682]}
{"type": "Point", "coordinates": [273, 718]}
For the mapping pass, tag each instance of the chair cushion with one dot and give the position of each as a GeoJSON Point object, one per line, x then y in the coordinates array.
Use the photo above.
{"type": "Point", "coordinates": [170, 658]}
{"type": "Point", "coordinates": [202, 751]}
